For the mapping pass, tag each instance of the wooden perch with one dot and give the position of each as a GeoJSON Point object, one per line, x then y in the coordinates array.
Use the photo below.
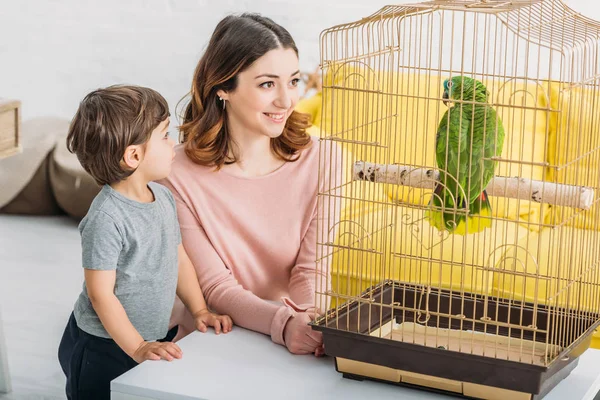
{"type": "Point", "coordinates": [516, 188]}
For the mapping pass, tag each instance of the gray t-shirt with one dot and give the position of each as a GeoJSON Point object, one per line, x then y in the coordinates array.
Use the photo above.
{"type": "Point", "coordinates": [139, 241]}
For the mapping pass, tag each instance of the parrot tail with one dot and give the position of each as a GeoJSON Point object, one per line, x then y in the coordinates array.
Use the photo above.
{"type": "Point", "coordinates": [480, 216]}
{"type": "Point", "coordinates": [480, 213]}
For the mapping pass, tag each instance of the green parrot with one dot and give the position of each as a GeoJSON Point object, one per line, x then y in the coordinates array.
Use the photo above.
{"type": "Point", "coordinates": [468, 136]}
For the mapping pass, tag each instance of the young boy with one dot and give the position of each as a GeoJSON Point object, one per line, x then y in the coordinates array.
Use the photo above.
{"type": "Point", "coordinates": [133, 259]}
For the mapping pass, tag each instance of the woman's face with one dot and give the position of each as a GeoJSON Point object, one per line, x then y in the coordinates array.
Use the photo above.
{"type": "Point", "coordinates": [266, 94]}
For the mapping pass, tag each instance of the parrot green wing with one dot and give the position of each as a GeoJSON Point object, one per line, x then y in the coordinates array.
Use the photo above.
{"type": "Point", "coordinates": [452, 144]}
{"type": "Point", "coordinates": [487, 141]}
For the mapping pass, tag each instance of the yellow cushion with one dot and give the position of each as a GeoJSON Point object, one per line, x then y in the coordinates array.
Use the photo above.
{"type": "Point", "coordinates": [396, 243]}
{"type": "Point", "coordinates": [574, 150]}
{"type": "Point", "coordinates": [350, 153]}
{"type": "Point", "coordinates": [596, 340]}
{"type": "Point", "coordinates": [351, 208]}
{"type": "Point", "coordinates": [311, 106]}
{"type": "Point", "coordinates": [402, 129]}
{"type": "Point", "coordinates": [522, 107]}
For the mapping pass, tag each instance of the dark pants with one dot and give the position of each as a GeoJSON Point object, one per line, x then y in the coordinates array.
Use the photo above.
{"type": "Point", "coordinates": [91, 362]}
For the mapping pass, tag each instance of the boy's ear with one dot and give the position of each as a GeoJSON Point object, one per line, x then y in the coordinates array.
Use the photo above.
{"type": "Point", "coordinates": [133, 156]}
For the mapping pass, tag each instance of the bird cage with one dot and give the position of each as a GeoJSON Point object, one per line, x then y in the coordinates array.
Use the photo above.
{"type": "Point", "coordinates": [458, 227]}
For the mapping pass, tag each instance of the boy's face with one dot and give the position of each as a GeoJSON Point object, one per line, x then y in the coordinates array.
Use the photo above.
{"type": "Point", "coordinates": [266, 94]}
{"type": "Point", "coordinates": [159, 154]}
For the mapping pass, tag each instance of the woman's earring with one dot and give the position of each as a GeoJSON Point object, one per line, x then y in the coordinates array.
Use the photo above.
{"type": "Point", "coordinates": [220, 98]}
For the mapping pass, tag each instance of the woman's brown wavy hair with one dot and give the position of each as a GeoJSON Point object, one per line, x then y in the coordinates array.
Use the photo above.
{"type": "Point", "coordinates": [236, 43]}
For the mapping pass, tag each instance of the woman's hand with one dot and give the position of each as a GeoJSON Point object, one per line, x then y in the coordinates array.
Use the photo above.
{"type": "Point", "coordinates": [205, 318]}
{"type": "Point", "coordinates": [300, 338]}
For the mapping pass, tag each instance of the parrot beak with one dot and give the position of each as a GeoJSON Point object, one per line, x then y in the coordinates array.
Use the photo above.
{"type": "Point", "coordinates": [445, 97]}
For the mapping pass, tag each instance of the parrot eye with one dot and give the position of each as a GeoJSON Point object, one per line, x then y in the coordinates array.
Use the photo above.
{"type": "Point", "coordinates": [450, 84]}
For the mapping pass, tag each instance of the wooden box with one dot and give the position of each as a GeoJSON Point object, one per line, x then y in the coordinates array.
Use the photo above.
{"type": "Point", "coordinates": [10, 127]}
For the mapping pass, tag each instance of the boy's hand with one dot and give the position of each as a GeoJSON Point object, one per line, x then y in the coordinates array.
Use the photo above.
{"type": "Point", "coordinates": [157, 351]}
{"type": "Point", "coordinates": [205, 318]}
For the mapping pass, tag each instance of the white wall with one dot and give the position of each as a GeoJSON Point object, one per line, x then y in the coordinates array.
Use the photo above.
{"type": "Point", "coordinates": [52, 52]}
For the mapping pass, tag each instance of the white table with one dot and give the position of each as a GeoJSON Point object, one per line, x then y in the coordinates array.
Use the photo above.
{"type": "Point", "coordinates": [247, 365]}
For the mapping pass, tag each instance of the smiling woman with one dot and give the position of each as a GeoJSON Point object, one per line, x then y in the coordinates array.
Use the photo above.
{"type": "Point", "coordinates": [246, 179]}
{"type": "Point", "coordinates": [245, 86]}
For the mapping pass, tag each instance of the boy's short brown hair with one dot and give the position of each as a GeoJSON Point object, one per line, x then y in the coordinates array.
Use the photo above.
{"type": "Point", "coordinates": [107, 122]}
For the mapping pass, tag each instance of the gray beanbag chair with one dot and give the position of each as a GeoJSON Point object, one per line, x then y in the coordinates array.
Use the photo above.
{"type": "Point", "coordinates": [45, 178]}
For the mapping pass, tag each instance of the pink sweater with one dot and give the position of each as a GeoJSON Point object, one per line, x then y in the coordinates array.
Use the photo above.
{"type": "Point", "coordinates": [252, 240]}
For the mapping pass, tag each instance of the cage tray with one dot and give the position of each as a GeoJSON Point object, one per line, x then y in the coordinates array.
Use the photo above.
{"type": "Point", "coordinates": [470, 345]}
